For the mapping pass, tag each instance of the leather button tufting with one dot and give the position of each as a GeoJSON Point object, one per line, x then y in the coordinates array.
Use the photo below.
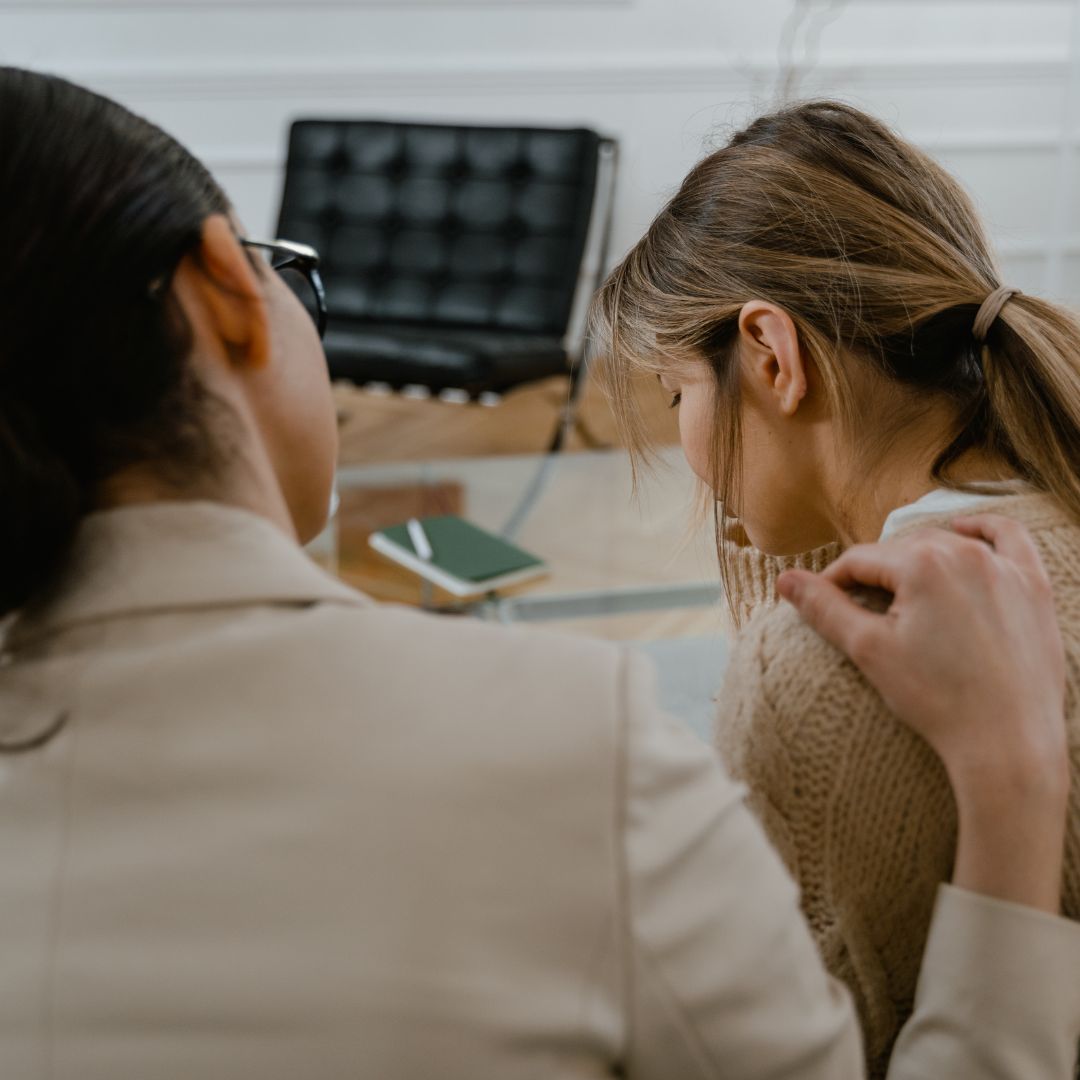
{"type": "Point", "coordinates": [520, 172]}
{"type": "Point", "coordinates": [449, 252]}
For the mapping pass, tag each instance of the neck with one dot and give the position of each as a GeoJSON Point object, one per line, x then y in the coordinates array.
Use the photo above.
{"type": "Point", "coordinates": [899, 481]}
{"type": "Point", "coordinates": [245, 484]}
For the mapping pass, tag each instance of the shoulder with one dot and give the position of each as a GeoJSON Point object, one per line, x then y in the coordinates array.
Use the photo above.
{"type": "Point", "coordinates": [779, 660]}
{"type": "Point", "coordinates": [385, 639]}
{"type": "Point", "coordinates": [788, 704]}
{"type": "Point", "coordinates": [1054, 531]}
{"type": "Point", "coordinates": [796, 719]}
{"type": "Point", "coordinates": [1056, 536]}
{"type": "Point", "coordinates": [471, 674]}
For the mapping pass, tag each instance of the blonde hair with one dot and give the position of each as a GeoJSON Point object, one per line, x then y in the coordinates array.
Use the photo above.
{"type": "Point", "coordinates": [879, 258]}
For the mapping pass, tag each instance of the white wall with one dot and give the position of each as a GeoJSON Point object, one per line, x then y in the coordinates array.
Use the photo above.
{"type": "Point", "coordinates": [985, 84]}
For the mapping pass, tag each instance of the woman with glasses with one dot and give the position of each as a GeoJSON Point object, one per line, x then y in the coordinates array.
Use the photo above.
{"type": "Point", "coordinates": [253, 824]}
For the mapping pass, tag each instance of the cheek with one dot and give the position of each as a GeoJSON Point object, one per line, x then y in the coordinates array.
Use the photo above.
{"type": "Point", "coordinates": [315, 447]}
{"type": "Point", "coordinates": [696, 433]}
{"type": "Point", "coordinates": [769, 487]}
{"type": "Point", "coordinates": [701, 442]}
{"type": "Point", "coordinates": [308, 385]}
{"type": "Point", "coordinates": [306, 423]}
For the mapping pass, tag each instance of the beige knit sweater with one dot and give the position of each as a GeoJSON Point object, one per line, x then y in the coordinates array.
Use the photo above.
{"type": "Point", "coordinates": [857, 805]}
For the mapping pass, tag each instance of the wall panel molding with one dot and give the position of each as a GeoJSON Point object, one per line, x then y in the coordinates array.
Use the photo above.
{"type": "Point", "coordinates": [151, 7]}
{"type": "Point", "coordinates": [1037, 247]}
{"type": "Point", "coordinates": [596, 74]}
{"type": "Point", "coordinates": [1005, 140]}
{"type": "Point", "coordinates": [255, 159]}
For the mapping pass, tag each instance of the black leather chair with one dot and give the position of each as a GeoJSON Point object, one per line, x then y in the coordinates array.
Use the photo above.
{"type": "Point", "coordinates": [451, 255]}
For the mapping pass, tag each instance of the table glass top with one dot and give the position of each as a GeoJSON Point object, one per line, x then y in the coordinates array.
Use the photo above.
{"type": "Point", "coordinates": [613, 555]}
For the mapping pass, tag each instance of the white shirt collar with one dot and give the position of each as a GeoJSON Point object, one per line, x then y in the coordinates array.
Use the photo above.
{"type": "Point", "coordinates": [946, 501]}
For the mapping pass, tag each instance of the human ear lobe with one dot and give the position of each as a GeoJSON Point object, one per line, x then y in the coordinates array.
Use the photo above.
{"type": "Point", "coordinates": [772, 340]}
{"type": "Point", "coordinates": [226, 284]}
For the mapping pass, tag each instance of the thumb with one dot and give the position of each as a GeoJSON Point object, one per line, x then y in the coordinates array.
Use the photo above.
{"type": "Point", "coordinates": [830, 611]}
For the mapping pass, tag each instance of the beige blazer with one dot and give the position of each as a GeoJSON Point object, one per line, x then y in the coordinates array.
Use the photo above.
{"type": "Point", "coordinates": [286, 832]}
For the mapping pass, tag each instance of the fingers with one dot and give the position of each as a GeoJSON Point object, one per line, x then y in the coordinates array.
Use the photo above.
{"type": "Point", "coordinates": [831, 612]}
{"type": "Point", "coordinates": [923, 557]}
{"type": "Point", "coordinates": [1006, 536]}
{"type": "Point", "coordinates": [876, 565]}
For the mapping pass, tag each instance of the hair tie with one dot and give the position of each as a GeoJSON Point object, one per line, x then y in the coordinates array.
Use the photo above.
{"type": "Point", "coordinates": [989, 311]}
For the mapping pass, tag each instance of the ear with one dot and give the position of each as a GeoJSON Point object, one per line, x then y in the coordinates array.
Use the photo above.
{"type": "Point", "coordinates": [771, 355]}
{"type": "Point", "coordinates": [221, 280]}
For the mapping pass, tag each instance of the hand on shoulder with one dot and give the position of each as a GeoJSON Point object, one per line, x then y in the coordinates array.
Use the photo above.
{"type": "Point", "coordinates": [970, 656]}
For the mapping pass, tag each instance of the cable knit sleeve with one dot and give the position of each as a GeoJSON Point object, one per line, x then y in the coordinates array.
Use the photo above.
{"type": "Point", "coordinates": [858, 807]}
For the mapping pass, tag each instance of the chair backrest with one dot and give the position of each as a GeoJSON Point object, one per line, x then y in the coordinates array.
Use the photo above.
{"type": "Point", "coordinates": [440, 224]}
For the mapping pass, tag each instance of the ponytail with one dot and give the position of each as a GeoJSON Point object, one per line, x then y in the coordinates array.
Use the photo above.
{"type": "Point", "coordinates": [1031, 363]}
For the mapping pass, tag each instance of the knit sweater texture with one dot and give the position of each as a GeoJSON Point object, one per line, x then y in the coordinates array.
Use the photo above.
{"type": "Point", "coordinates": [858, 806]}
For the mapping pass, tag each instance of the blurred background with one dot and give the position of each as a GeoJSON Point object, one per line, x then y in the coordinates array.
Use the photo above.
{"type": "Point", "coordinates": [990, 87]}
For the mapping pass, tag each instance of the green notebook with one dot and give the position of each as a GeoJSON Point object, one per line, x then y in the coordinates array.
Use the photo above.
{"type": "Point", "coordinates": [465, 559]}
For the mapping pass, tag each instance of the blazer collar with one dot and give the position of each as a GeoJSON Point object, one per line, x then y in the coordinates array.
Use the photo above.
{"type": "Point", "coordinates": [175, 556]}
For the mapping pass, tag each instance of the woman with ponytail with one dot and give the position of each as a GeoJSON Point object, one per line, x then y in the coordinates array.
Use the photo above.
{"type": "Point", "coordinates": [253, 824]}
{"type": "Point", "coordinates": [821, 303]}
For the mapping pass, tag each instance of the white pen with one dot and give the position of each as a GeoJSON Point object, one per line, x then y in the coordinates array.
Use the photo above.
{"type": "Point", "coordinates": [419, 539]}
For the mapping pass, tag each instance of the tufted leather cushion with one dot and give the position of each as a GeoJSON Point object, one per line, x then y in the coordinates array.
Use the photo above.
{"type": "Point", "coordinates": [472, 360]}
{"type": "Point", "coordinates": [450, 254]}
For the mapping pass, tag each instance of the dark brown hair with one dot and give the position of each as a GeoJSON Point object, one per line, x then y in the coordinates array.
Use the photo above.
{"type": "Point", "coordinates": [97, 207]}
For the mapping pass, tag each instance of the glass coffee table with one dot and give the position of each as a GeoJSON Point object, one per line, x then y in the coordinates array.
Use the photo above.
{"type": "Point", "coordinates": [622, 566]}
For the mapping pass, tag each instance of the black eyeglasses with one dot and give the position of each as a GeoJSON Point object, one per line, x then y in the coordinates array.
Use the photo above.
{"type": "Point", "coordinates": [298, 265]}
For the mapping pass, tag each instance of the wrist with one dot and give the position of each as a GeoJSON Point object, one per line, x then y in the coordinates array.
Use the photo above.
{"type": "Point", "coordinates": [1023, 776]}
{"type": "Point", "coordinates": [1017, 857]}
{"type": "Point", "coordinates": [1011, 818]}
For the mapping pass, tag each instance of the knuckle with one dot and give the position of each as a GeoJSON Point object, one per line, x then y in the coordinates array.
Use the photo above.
{"type": "Point", "coordinates": [1039, 584]}
{"type": "Point", "coordinates": [960, 556]}
{"type": "Point", "coordinates": [813, 607]}
{"type": "Point", "coordinates": [922, 535]}
{"type": "Point", "coordinates": [929, 558]}
{"type": "Point", "coordinates": [861, 646]}
{"type": "Point", "coordinates": [980, 556]}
